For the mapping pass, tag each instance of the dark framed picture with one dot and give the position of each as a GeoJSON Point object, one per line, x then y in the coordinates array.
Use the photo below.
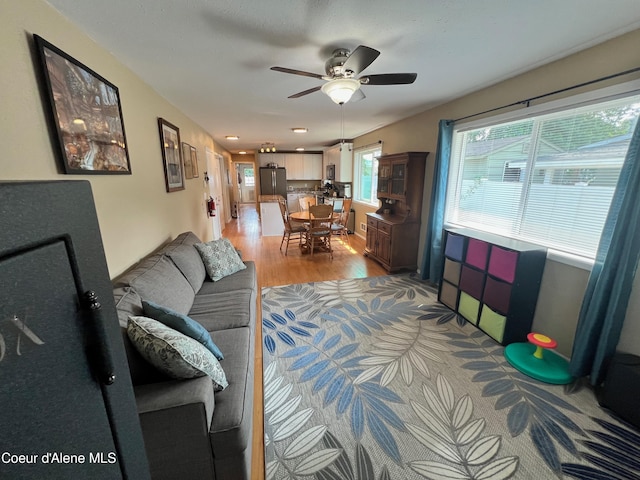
{"type": "Point", "coordinates": [171, 155]}
{"type": "Point", "coordinates": [186, 158]}
{"type": "Point", "coordinates": [86, 112]}
{"type": "Point", "coordinates": [194, 161]}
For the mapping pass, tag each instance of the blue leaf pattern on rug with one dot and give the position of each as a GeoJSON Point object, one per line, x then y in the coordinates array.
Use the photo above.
{"type": "Point", "coordinates": [374, 379]}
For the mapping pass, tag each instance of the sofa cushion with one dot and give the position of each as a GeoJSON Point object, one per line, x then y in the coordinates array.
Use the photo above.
{"type": "Point", "coordinates": [220, 258]}
{"type": "Point", "coordinates": [232, 423]}
{"type": "Point", "coordinates": [128, 303]}
{"type": "Point", "coordinates": [182, 324]}
{"type": "Point", "coordinates": [162, 283]}
{"type": "Point", "coordinates": [185, 238]}
{"type": "Point", "coordinates": [242, 280]}
{"type": "Point", "coordinates": [173, 353]}
{"type": "Point", "coordinates": [189, 262]}
{"type": "Point", "coordinates": [220, 311]}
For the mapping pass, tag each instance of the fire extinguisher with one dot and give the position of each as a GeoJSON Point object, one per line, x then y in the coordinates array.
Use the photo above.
{"type": "Point", "coordinates": [211, 207]}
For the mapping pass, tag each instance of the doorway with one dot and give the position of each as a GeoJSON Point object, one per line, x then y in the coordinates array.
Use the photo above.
{"type": "Point", "coordinates": [246, 173]}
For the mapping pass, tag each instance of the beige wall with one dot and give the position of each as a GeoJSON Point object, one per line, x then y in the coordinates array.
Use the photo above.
{"type": "Point", "coordinates": [136, 214]}
{"type": "Point", "coordinates": [562, 286]}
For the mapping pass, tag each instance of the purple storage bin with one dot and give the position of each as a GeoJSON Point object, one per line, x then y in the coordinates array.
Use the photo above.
{"type": "Point", "coordinates": [472, 281]}
{"type": "Point", "coordinates": [497, 295]}
{"type": "Point", "coordinates": [455, 246]}
{"type": "Point", "coordinates": [477, 252]}
{"type": "Point", "coordinates": [502, 263]}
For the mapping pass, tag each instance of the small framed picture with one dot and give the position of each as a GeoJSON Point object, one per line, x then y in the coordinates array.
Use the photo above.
{"type": "Point", "coordinates": [86, 114]}
{"type": "Point", "coordinates": [186, 158]}
{"type": "Point", "coordinates": [194, 161]}
{"type": "Point", "coordinates": [171, 155]}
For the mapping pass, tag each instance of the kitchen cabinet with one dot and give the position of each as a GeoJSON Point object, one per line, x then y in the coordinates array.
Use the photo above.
{"type": "Point", "coordinates": [294, 163]}
{"type": "Point", "coordinates": [393, 230]}
{"type": "Point", "coordinates": [492, 281]}
{"type": "Point", "coordinates": [264, 159]}
{"type": "Point", "coordinates": [292, 202]}
{"type": "Point", "coordinates": [342, 157]}
{"type": "Point", "coordinates": [312, 166]}
{"type": "Point", "coordinates": [303, 166]}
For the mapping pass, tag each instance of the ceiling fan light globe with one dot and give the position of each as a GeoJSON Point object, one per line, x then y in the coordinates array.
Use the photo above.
{"type": "Point", "coordinates": [340, 90]}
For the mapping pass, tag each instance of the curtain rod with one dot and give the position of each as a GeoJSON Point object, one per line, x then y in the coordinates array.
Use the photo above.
{"type": "Point", "coordinates": [527, 101]}
{"type": "Point", "coordinates": [379, 142]}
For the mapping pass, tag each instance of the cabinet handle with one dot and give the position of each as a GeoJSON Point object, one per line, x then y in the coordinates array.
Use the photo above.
{"type": "Point", "coordinates": [99, 346]}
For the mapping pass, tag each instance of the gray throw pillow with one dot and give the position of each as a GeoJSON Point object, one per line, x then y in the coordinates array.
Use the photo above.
{"type": "Point", "coordinates": [220, 258]}
{"type": "Point", "coordinates": [173, 353]}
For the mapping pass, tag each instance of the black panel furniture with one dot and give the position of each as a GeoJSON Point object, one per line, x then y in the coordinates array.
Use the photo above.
{"type": "Point", "coordinates": [189, 430]}
{"type": "Point", "coordinates": [492, 281]}
{"type": "Point", "coordinates": [66, 401]}
{"type": "Point", "coordinates": [393, 231]}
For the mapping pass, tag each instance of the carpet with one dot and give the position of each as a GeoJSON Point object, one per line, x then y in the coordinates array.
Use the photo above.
{"type": "Point", "coordinates": [375, 379]}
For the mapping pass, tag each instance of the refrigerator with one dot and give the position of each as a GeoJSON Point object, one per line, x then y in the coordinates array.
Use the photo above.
{"type": "Point", "coordinates": [273, 181]}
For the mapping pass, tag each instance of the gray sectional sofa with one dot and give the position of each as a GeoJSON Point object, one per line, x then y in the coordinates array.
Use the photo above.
{"type": "Point", "coordinates": [190, 432]}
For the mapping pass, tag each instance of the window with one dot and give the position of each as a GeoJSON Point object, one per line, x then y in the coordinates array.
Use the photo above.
{"type": "Point", "coordinates": [366, 174]}
{"type": "Point", "coordinates": [249, 178]}
{"type": "Point", "coordinates": [547, 179]}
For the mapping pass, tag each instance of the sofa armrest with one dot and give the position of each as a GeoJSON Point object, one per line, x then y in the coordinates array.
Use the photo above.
{"type": "Point", "coordinates": [175, 417]}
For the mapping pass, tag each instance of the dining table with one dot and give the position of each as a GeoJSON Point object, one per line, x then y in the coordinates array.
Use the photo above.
{"type": "Point", "coordinates": [305, 216]}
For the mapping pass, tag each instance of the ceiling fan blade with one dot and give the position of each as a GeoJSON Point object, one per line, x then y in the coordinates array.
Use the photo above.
{"type": "Point", "coordinates": [297, 72]}
{"type": "Point", "coordinates": [357, 96]}
{"type": "Point", "coordinates": [360, 59]}
{"type": "Point", "coordinates": [389, 79]}
{"type": "Point", "coordinates": [306, 92]}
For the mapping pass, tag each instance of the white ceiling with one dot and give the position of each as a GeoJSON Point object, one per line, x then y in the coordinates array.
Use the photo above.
{"type": "Point", "coordinates": [211, 58]}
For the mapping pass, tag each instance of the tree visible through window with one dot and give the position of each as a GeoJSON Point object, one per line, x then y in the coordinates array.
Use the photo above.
{"type": "Point", "coordinates": [249, 178]}
{"type": "Point", "coordinates": [366, 174]}
{"type": "Point", "coordinates": [548, 179]}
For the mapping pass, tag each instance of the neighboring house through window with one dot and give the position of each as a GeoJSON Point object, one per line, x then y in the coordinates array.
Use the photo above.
{"type": "Point", "coordinates": [547, 178]}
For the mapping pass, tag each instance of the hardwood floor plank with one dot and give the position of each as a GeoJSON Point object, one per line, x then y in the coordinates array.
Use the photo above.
{"type": "Point", "coordinates": [275, 268]}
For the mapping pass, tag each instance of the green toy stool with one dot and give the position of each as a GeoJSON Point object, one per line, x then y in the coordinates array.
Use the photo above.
{"type": "Point", "coordinates": [535, 359]}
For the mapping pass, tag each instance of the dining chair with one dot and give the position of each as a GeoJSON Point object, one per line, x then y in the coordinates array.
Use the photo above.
{"type": "Point", "coordinates": [306, 202]}
{"type": "Point", "coordinates": [295, 230]}
{"type": "Point", "coordinates": [319, 229]}
{"type": "Point", "coordinates": [339, 226]}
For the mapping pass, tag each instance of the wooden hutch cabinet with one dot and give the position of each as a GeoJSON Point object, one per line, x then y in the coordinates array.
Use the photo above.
{"type": "Point", "coordinates": [393, 231]}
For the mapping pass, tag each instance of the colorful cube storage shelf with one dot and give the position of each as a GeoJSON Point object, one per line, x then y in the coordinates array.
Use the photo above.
{"type": "Point", "coordinates": [492, 282]}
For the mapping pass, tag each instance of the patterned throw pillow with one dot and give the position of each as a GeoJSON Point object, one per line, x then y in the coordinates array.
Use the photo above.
{"type": "Point", "coordinates": [220, 258]}
{"type": "Point", "coordinates": [173, 353]}
{"type": "Point", "coordinates": [182, 323]}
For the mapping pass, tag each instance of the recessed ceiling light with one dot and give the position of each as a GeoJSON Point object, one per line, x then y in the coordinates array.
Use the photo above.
{"type": "Point", "coordinates": [242, 152]}
{"type": "Point", "coordinates": [300, 149]}
{"type": "Point", "coordinates": [232, 137]}
{"type": "Point", "coordinates": [299, 130]}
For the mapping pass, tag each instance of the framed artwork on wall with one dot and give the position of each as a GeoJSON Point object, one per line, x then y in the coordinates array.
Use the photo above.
{"type": "Point", "coordinates": [194, 161]}
{"type": "Point", "coordinates": [171, 157]}
{"type": "Point", "coordinates": [86, 114]}
{"type": "Point", "coordinates": [186, 158]}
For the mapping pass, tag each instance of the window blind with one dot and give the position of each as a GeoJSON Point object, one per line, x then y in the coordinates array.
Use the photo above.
{"type": "Point", "coordinates": [547, 179]}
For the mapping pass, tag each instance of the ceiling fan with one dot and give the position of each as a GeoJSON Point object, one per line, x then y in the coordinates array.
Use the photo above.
{"type": "Point", "coordinates": [341, 70]}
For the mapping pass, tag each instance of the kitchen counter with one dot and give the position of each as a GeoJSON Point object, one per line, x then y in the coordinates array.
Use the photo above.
{"type": "Point", "coordinates": [270, 217]}
{"type": "Point", "coordinates": [270, 198]}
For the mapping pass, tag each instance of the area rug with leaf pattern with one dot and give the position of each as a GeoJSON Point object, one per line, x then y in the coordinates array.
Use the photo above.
{"type": "Point", "coordinates": [374, 379]}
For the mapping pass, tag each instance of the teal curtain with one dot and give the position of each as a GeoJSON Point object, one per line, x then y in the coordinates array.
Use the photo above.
{"type": "Point", "coordinates": [605, 302]}
{"type": "Point", "coordinates": [432, 259]}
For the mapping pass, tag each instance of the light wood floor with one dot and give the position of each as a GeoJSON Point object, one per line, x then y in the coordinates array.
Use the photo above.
{"type": "Point", "coordinates": [274, 268]}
